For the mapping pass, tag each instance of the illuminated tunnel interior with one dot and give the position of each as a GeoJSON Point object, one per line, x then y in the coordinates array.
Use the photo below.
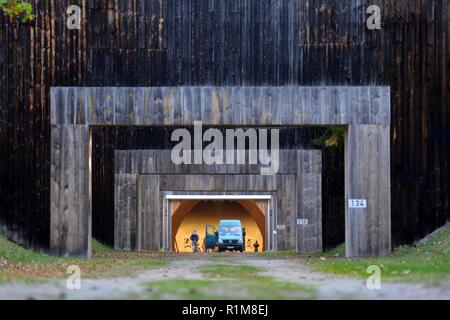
{"type": "Point", "coordinates": [190, 215]}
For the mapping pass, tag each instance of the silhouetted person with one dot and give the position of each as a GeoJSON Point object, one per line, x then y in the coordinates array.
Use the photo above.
{"type": "Point", "coordinates": [194, 238]}
{"type": "Point", "coordinates": [256, 246]}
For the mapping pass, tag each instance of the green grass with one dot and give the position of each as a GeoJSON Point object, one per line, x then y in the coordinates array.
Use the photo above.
{"type": "Point", "coordinates": [229, 270]}
{"type": "Point", "coordinates": [101, 248]}
{"type": "Point", "coordinates": [146, 263]}
{"type": "Point", "coordinates": [13, 252]}
{"type": "Point", "coordinates": [182, 289]}
{"type": "Point", "coordinates": [229, 281]}
{"type": "Point", "coordinates": [20, 264]}
{"type": "Point", "coordinates": [256, 288]}
{"type": "Point", "coordinates": [266, 288]}
{"type": "Point", "coordinates": [429, 262]}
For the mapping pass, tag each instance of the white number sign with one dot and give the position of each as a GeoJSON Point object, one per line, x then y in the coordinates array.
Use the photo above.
{"type": "Point", "coordinates": [302, 222]}
{"type": "Point", "coordinates": [357, 203]}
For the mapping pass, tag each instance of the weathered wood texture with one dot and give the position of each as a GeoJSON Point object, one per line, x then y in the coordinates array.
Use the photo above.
{"type": "Point", "coordinates": [226, 184]}
{"type": "Point", "coordinates": [110, 139]}
{"type": "Point", "coordinates": [157, 165]}
{"type": "Point", "coordinates": [358, 104]}
{"type": "Point", "coordinates": [160, 162]}
{"type": "Point", "coordinates": [126, 222]}
{"type": "Point", "coordinates": [368, 230]}
{"type": "Point", "coordinates": [245, 106]}
{"type": "Point", "coordinates": [150, 213]}
{"type": "Point", "coordinates": [248, 42]}
{"type": "Point", "coordinates": [70, 191]}
{"type": "Point", "coordinates": [309, 202]}
{"type": "Point", "coordinates": [355, 106]}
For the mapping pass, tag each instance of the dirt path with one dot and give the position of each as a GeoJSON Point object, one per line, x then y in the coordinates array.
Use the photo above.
{"type": "Point", "coordinates": [186, 267]}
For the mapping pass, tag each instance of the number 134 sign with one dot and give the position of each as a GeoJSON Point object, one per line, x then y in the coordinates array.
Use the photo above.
{"type": "Point", "coordinates": [357, 203]}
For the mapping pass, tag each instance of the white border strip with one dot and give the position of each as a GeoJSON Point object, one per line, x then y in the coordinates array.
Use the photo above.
{"type": "Point", "coordinates": [218, 197]}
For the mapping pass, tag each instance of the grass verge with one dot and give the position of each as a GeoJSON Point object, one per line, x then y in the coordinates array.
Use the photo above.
{"type": "Point", "coordinates": [427, 263]}
{"type": "Point", "coordinates": [18, 264]}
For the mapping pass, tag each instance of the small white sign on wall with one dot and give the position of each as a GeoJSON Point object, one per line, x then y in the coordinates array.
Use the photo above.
{"type": "Point", "coordinates": [357, 203]}
{"type": "Point", "coordinates": [302, 222]}
{"type": "Point", "coordinates": [281, 227]}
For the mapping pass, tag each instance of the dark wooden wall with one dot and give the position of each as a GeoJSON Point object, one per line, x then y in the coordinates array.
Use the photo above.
{"type": "Point", "coordinates": [248, 42]}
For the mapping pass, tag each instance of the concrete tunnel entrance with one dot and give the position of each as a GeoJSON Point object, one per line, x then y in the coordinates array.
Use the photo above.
{"type": "Point", "coordinates": [189, 213]}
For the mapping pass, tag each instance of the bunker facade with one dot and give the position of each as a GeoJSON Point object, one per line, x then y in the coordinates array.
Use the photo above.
{"type": "Point", "coordinates": [363, 111]}
{"type": "Point", "coordinates": [165, 50]}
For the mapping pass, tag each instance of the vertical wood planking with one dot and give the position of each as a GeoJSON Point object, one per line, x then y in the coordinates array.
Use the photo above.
{"type": "Point", "coordinates": [126, 226]}
{"type": "Point", "coordinates": [70, 191]}
{"type": "Point", "coordinates": [150, 212]}
{"type": "Point", "coordinates": [251, 106]}
{"type": "Point", "coordinates": [307, 168]}
{"type": "Point", "coordinates": [315, 42]}
{"type": "Point", "coordinates": [309, 202]}
{"type": "Point", "coordinates": [368, 230]}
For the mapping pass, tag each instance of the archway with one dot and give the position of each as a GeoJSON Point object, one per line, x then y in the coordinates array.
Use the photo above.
{"type": "Point", "coordinates": [363, 111]}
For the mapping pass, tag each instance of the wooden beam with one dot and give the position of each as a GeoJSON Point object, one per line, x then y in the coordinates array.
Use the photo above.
{"type": "Point", "coordinates": [240, 106]}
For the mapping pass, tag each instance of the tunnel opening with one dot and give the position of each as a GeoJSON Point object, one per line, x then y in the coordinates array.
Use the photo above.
{"type": "Point", "coordinates": [107, 140]}
{"type": "Point", "coordinates": [204, 215]}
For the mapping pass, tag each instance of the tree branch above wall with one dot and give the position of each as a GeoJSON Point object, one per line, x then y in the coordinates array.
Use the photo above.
{"type": "Point", "coordinates": [21, 10]}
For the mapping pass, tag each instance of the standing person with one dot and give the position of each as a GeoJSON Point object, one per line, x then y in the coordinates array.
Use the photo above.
{"type": "Point", "coordinates": [194, 238]}
{"type": "Point", "coordinates": [256, 246]}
